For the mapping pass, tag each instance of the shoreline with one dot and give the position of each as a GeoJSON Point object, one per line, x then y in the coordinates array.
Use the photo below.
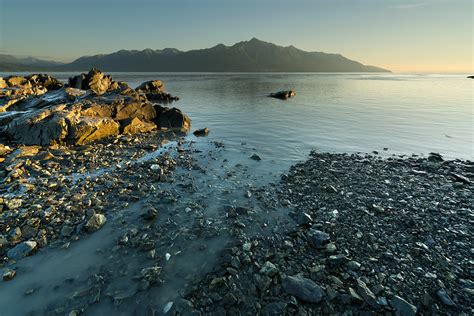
{"type": "Point", "coordinates": [274, 229]}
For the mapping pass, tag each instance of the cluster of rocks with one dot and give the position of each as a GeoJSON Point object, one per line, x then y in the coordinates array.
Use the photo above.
{"type": "Point", "coordinates": [53, 194]}
{"type": "Point", "coordinates": [90, 107]}
{"type": "Point", "coordinates": [367, 236]}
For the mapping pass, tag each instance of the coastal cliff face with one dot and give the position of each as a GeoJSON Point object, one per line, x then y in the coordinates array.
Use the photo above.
{"type": "Point", "coordinates": [39, 110]}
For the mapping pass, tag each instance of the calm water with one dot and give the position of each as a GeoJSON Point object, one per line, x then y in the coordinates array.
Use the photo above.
{"type": "Point", "coordinates": [331, 112]}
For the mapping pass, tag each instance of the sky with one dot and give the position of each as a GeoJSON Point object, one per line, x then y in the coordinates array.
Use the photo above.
{"type": "Point", "coordinates": [401, 35]}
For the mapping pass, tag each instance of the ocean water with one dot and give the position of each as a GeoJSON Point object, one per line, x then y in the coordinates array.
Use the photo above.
{"type": "Point", "coordinates": [331, 112]}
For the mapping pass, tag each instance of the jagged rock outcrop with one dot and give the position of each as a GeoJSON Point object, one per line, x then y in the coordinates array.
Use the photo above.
{"type": "Point", "coordinates": [94, 80]}
{"type": "Point", "coordinates": [92, 107]}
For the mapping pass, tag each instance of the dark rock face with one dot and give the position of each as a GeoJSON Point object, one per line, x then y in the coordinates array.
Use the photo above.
{"type": "Point", "coordinates": [470, 77]}
{"type": "Point", "coordinates": [91, 108]}
{"type": "Point", "coordinates": [283, 95]}
{"type": "Point", "coordinates": [173, 119]}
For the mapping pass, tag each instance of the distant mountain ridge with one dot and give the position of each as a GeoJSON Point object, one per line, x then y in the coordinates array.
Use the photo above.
{"type": "Point", "coordinates": [247, 56]}
{"type": "Point", "coordinates": [13, 63]}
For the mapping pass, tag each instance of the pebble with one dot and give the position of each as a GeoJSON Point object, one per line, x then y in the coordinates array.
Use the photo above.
{"type": "Point", "coordinates": [8, 274]}
{"type": "Point", "coordinates": [269, 269]}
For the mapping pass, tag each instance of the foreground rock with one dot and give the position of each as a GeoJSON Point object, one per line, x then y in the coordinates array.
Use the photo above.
{"type": "Point", "coordinates": [73, 115]}
{"type": "Point", "coordinates": [283, 95]}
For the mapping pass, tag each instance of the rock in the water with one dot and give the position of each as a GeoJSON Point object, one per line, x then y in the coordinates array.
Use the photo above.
{"type": "Point", "coordinates": [403, 307]}
{"type": "Point", "coordinates": [201, 132]}
{"type": "Point", "coordinates": [283, 95]}
{"type": "Point", "coordinates": [470, 77]}
{"type": "Point", "coordinates": [21, 250]}
{"type": "Point", "coordinates": [302, 288]}
{"type": "Point", "coordinates": [95, 222]}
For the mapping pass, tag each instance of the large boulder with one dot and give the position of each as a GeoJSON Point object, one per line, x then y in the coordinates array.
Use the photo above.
{"type": "Point", "coordinates": [94, 80]}
{"type": "Point", "coordinates": [173, 119]}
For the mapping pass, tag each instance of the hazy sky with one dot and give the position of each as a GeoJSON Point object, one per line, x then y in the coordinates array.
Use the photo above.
{"type": "Point", "coordinates": [401, 35]}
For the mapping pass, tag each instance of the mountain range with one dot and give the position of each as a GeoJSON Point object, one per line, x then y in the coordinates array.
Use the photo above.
{"type": "Point", "coordinates": [12, 63]}
{"type": "Point", "coordinates": [247, 56]}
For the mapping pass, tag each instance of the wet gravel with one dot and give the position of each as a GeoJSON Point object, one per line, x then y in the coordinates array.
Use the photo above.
{"type": "Point", "coordinates": [185, 231]}
{"type": "Point", "coordinates": [368, 235]}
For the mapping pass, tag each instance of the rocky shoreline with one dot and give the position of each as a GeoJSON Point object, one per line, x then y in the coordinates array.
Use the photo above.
{"type": "Point", "coordinates": [162, 224]}
{"type": "Point", "coordinates": [368, 236]}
